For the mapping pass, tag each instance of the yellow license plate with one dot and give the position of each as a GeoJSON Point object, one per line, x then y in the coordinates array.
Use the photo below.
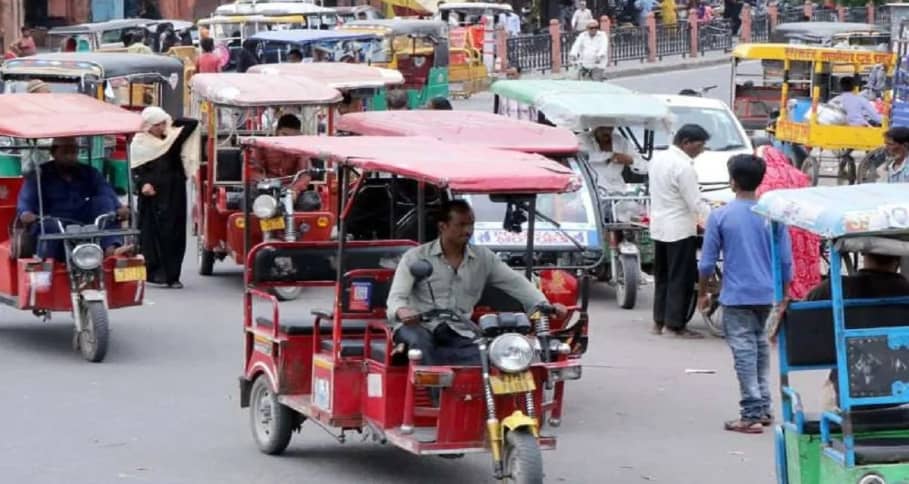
{"type": "Point", "coordinates": [269, 224]}
{"type": "Point", "coordinates": [129, 274]}
{"type": "Point", "coordinates": [512, 383]}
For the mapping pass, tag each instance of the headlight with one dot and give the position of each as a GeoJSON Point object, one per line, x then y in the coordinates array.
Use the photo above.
{"type": "Point", "coordinates": [88, 256]}
{"type": "Point", "coordinates": [265, 206]}
{"type": "Point", "coordinates": [511, 353]}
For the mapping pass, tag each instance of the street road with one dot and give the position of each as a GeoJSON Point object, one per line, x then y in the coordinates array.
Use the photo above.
{"type": "Point", "coordinates": [163, 408]}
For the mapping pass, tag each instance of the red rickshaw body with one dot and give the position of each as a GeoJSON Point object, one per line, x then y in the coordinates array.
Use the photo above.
{"type": "Point", "coordinates": [219, 184]}
{"type": "Point", "coordinates": [314, 360]}
{"type": "Point", "coordinates": [43, 285]}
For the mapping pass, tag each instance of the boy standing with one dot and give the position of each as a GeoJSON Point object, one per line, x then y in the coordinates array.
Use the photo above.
{"type": "Point", "coordinates": [743, 237]}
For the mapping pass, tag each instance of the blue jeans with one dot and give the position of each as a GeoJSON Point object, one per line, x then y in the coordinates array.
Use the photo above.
{"type": "Point", "coordinates": [745, 333]}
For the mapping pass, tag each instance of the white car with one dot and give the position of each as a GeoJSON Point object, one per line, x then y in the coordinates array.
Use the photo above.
{"type": "Point", "coordinates": [727, 138]}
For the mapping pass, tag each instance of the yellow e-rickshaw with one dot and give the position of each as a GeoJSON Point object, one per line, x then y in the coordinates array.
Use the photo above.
{"type": "Point", "coordinates": [810, 79]}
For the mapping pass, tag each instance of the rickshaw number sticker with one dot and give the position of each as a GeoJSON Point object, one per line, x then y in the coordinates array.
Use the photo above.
{"type": "Point", "coordinates": [374, 385]}
{"type": "Point", "coordinates": [322, 398]}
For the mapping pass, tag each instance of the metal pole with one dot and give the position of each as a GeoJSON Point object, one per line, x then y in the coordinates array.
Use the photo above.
{"type": "Point", "coordinates": [421, 212]}
{"type": "Point", "coordinates": [531, 225]}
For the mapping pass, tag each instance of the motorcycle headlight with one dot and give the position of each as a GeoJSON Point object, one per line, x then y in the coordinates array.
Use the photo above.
{"type": "Point", "coordinates": [511, 353]}
{"type": "Point", "coordinates": [87, 256]}
{"type": "Point", "coordinates": [265, 206]}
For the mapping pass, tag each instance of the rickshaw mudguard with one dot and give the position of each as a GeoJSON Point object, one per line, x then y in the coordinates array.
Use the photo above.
{"type": "Point", "coordinates": [517, 421]}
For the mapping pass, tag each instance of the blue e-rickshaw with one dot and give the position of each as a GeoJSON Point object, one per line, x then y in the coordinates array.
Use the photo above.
{"type": "Point", "coordinates": [320, 46]}
{"type": "Point", "coordinates": [865, 439]}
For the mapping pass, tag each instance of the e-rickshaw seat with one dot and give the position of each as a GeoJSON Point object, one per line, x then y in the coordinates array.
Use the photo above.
{"type": "Point", "coordinates": [306, 326]}
{"type": "Point", "coordinates": [871, 420]}
{"type": "Point", "coordinates": [229, 165]}
{"type": "Point", "coordinates": [878, 450]}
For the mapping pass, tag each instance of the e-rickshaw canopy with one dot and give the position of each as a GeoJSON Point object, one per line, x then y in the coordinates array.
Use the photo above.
{"type": "Point", "coordinates": [88, 28]}
{"type": "Point", "coordinates": [305, 36]}
{"type": "Point", "coordinates": [63, 115]}
{"type": "Point", "coordinates": [808, 53]}
{"type": "Point", "coordinates": [461, 168]}
{"type": "Point", "coordinates": [585, 111]}
{"type": "Point", "coordinates": [339, 75]}
{"type": "Point", "coordinates": [528, 92]}
{"type": "Point", "coordinates": [254, 90]}
{"type": "Point", "coordinates": [464, 127]}
{"type": "Point", "coordinates": [819, 32]}
{"type": "Point", "coordinates": [419, 28]}
{"type": "Point", "coordinates": [105, 65]}
{"type": "Point", "coordinates": [840, 211]}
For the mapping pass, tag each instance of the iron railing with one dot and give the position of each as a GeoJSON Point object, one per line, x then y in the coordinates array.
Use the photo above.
{"type": "Point", "coordinates": [628, 43]}
{"type": "Point", "coordinates": [760, 28]}
{"type": "Point", "coordinates": [568, 39]}
{"type": "Point", "coordinates": [530, 52]}
{"type": "Point", "coordinates": [882, 16]}
{"type": "Point", "coordinates": [715, 35]}
{"type": "Point", "coordinates": [857, 14]}
{"type": "Point", "coordinates": [825, 15]}
{"type": "Point", "coordinates": [673, 39]}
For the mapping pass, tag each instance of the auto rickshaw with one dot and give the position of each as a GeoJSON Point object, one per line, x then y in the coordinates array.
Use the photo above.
{"type": "Point", "coordinates": [364, 87]}
{"type": "Point", "coordinates": [582, 106]}
{"type": "Point", "coordinates": [340, 368]}
{"type": "Point", "coordinates": [87, 283]}
{"type": "Point", "coordinates": [234, 105]}
{"type": "Point", "coordinates": [320, 46]}
{"type": "Point", "coordinates": [131, 81]}
{"type": "Point", "coordinates": [568, 236]}
{"type": "Point", "coordinates": [417, 48]}
{"type": "Point", "coordinates": [831, 34]}
{"type": "Point", "coordinates": [96, 36]}
{"type": "Point", "coordinates": [865, 438]}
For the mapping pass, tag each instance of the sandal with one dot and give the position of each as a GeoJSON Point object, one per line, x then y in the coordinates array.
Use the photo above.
{"type": "Point", "coordinates": [686, 334]}
{"type": "Point", "coordinates": [744, 426]}
{"type": "Point", "coordinates": [767, 420]}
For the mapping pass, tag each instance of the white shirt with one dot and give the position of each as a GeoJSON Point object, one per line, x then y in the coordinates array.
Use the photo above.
{"type": "Point", "coordinates": [675, 198]}
{"type": "Point", "coordinates": [612, 173]}
{"type": "Point", "coordinates": [513, 24]}
{"type": "Point", "coordinates": [592, 52]}
{"type": "Point", "coordinates": [580, 19]}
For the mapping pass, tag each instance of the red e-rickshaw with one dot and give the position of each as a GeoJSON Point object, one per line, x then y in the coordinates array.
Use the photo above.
{"type": "Point", "coordinates": [340, 368]}
{"type": "Point", "coordinates": [234, 105]}
{"type": "Point", "coordinates": [87, 283]}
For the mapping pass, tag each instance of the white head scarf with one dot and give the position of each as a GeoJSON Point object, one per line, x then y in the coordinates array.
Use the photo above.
{"type": "Point", "coordinates": [146, 147]}
{"type": "Point", "coordinates": [153, 115]}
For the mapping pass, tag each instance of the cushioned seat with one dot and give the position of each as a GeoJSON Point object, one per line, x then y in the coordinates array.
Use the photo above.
{"type": "Point", "coordinates": [306, 326]}
{"type": "Point", "coordinates": [349, 347]}
{"type": "Point", "coordinates": [878, 450]}
{"type": "Point", "coordinates": [876, 420]}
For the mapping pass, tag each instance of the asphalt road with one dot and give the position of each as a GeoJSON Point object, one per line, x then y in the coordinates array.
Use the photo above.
{"type": "Point", "coordinates": [163, 407]}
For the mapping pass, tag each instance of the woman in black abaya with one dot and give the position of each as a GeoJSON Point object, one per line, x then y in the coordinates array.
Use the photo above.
{"type": "Point", "coordinates": [163, 155]}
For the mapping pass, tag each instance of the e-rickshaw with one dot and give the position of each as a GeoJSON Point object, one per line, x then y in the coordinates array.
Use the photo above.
{"type": "Point", "coordinates": [233, 105]}
{"type": "Point", "coordinates": [340, 368]}
{"type": "Point", "coordinates": [98, 36]}
{"type": "Point", "coordinates": [568, 236]}
{"type": "Point", "coordinates": [865, 439]}
{"type": "Point", "coordinates": [87, 283]}
{"type": "Point", "coordinates": [131, 81]}
{"type": "Point", "coordinates": [319, 46]}
{"type": "Point", "coordinates": [831, 34]}
{"type": "Point", "coordinates": [583, 106]}
{"type": "Point", "coordinates": [233, 29]}
{"type": "Point", "coordinates": [364, 87]}
{"type": "Point", "coordinates": [417, 48]}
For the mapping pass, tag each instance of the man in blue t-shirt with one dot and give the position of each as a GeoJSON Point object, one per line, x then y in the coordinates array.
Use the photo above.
{"type": "Point", "coordinates": [743, 237]}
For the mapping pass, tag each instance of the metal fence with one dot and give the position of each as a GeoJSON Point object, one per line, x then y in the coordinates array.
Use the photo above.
{"type": "Point", "coordinates": [628, 43]}
{"type": "Point", "coordinates": [882, 16]}
{"type": "Point", "coordinates": [760, 28]}
{"type": "Point", "coordinates": [792, 14]}
{"type": "Point", "coordinates": [530, 52]}
{"type": "Point", "coordinates": [568, 39]}
{"type": "Point", "coordinates": [825, 15]}
{"type": "Point", "coordinates": [857, 14]}
{"type": "Point", "coordinates": [715, 35]}
{"type": "Point", "coordinates": [673, 39]}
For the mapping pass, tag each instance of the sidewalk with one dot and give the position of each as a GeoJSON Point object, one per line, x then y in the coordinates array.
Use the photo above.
{"type": "Point", "coordinates": [637, 68]}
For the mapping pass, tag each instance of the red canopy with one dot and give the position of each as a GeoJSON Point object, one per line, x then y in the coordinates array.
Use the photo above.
{"type": "Point", "coordinates": [251, 90]}
{"type": "Point", "coordinates": [56, 115]}
{"type": "Point", "coordinates": [462, 168]}
{"type": "Point", "coordinates": [477, 128]}
{"type": "Point", "coordinates": [339, 75]}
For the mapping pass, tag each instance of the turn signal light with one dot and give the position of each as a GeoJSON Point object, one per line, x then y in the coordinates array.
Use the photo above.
{"type": "Point", "coordinates": [322, 222]}
{"type": "Point", "coordinates": [432, 378]}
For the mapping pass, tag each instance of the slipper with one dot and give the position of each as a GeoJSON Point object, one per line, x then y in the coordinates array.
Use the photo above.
{"type": "Point", "coordinates": [767, 420]}
{"type": "Point", "coordinates": [686, 334]}
{"type": "Point", "coordinates": [744, 426]}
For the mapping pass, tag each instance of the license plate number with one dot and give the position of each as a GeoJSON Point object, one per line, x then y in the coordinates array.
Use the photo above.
{"type": "Point", "coordinates": [512, 383]}
{"type": "Point", "coordinates": [269, 224]}
{"type": "Point", "coordinates": [129, 274]}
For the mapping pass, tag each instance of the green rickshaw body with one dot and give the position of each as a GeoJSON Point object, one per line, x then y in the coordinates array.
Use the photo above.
{"type": "Point", "coordinates": [416, 48]}
{"type": "Point", "coordinates": [132, 81]}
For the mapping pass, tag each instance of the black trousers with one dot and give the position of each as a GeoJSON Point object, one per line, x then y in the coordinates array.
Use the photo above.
{"type": "Point", "coordinates": [443, 346]}
{"type": "Point", "coordinates": [675, 271]}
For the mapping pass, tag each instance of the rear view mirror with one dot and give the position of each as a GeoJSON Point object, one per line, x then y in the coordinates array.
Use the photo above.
{"type": "Point", "coordinates": [421, 269]}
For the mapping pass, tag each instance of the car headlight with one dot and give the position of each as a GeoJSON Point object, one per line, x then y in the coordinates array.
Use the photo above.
{"type": "Point", "coordinates": [511, 353]}
{"type": "Point", "coordinates": [87, 256]}
{"type": "Point", "coordinates": [265, 206]}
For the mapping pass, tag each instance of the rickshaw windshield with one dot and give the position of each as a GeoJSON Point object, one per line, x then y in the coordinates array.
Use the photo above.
{"type": "Point", "coordinates": [403, 43]}
{"type": "Point", "coordinates": [722, 128]}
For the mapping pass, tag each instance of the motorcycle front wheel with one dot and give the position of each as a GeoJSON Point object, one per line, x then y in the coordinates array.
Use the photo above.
{"type": "Point", "coordinates": [523, 459]}
{"type": "Point", "coordinates": [93, 340]}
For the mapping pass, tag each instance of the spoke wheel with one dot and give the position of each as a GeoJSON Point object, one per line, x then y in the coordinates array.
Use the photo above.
{"type": "Point", "coordinates": [93, 340]}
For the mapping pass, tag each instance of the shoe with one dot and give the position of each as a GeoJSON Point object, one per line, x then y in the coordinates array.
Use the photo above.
{"type": "Point", "coordinates": [657, 329]}
{"type": "Point", "coordinates": [156, 283]}
{"type": "Point", "coordinates": [175, 285]}
{"type": "Point", "coordinates": [744, 426]}
{"type": "Point", "coordinates": [767, 420]}
{"type": "Point", "coordinates": [686, 334]}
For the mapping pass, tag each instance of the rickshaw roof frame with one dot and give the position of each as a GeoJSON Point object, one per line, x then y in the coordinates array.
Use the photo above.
{"type": "Point", "coordinates": [587, 111]}
{"type": "Point", "coordinates": [461, 168]}
{"type": "Point", "coordinates": [528, 91]}
{"type": "Point", "coordinates": [400, 26]}
{"type": "Point", "coordinates": [475, 6]}
{"type": "Point", "coordinates": [112, 64]}
{"type": "Point", "coordinates": [36, 116]}
{"type": "Point", "coordinates": [260, 90]}
{"type": "Point", "coordinates": [840, 211]}
{"type": "Point", "coordinates": [810, 53]}
{"type": "Point", "coordinates": [339, 75]}
{"type": "Point", "coordinates": [828, 29]}
{"type": "Point", "coordinates": [464, 127]}
{"type": "Point", "coordinates": [302, 36]}
{"type": "Point", "coordinates": [92, 27]}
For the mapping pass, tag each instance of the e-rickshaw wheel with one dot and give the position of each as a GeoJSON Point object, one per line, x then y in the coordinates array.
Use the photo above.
{"type": "Point", "coordinates": [272, 423]}
{"type": "Point", "coordinates": [206, 259]}
{"type": "Point", "coordinates": [93, 340]}
{"type": "Point", "coordinates": [866, 171]}
{"type": "Point", "coordinates": [628, 271]}
{"type": "Point", "coordinates": [287, 293]}
{"type": "Point", "coordinates": [523, 459]}
{"type": "Point", "coordinates": [811, 167]}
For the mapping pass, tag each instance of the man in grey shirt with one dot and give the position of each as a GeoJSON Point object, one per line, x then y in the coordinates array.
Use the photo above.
{"type": "Point", "coordinates": [460, 273]}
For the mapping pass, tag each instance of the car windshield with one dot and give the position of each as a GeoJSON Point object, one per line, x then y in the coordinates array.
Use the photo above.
{"type": "Point", "coordinates": [723, 128]}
